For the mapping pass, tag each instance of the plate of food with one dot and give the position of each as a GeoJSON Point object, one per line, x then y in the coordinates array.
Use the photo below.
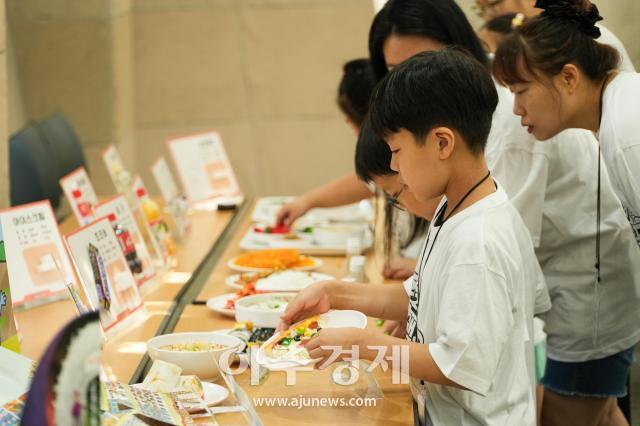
{"type": "Point", "coordinates": [323, 239]}
{"type": "Point", "coordinates": [273, 259]}
{"type": "Point", "coordinates": [267, 208]}
{"type": "Point", "coordinates": [284, 281]}
{"type": "Point", "coordinates": [286, 349]}
{"type": "Point", "coordinates": [223, 304]}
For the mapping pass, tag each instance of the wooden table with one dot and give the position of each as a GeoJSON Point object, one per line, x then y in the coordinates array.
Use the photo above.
{"type": "Point", "coordinates": [169, 306]}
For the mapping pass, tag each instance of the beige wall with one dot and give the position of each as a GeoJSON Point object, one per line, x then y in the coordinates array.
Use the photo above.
{"type": "Point", "coordinates": [17, 116]}
{"type": "Point", "coordinates": [262, 72]}
{"type": "Point", "coordinates": [4, 151]}
{"type": "Point", "coordinates": [75, 57]}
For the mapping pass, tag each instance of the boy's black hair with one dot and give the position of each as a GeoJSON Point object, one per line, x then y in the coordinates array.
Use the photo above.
{"type": "Point", "coordinates": [439, 20]}
{"type": "Point", "coordinates": [373, 158]}
{"type": "Point", "coordinates": [354, 92]}
{"type": "Point", "coordinates": [442, 88]}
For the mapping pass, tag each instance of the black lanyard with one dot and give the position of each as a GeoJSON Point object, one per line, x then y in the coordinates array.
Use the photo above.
{"type": "Point", "coordinates": [439, 221]}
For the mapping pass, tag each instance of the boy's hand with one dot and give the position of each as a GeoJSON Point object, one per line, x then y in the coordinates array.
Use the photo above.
{"type": "Point", "coordinates": [399, 268]}
{"type": "Point", "coordinates": [340, 340]}
{"type": "Point", "coordinates": [313, 300]}
{"type": "Point", "coordinates": [395, 328]}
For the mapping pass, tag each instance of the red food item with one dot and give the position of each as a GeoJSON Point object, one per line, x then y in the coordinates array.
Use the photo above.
{"type": "Point", "coordinates": [278, 229]}
{"type": "Point", "coordinates": [249, 289]}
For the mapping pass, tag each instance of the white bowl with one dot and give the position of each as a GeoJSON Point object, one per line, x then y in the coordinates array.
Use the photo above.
{"type": "Point", "coordinates": [260, 317]}
{"type": "Point", "coordinates": [200, 363]}
{"type": "Point", "coordinates": [337, 235]}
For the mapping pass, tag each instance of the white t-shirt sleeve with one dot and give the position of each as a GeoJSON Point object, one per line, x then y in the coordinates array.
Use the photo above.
{"type": "Point", "coordinates": [408, 284]}
{"type": "Point", "coordinates": [473, 326]}
{"type": "Point", "coordinates": [523, 175]}
{"type": "Point", "coordinates": [607, 37]}
{"type": "Point", "coordinates": [542, 300]}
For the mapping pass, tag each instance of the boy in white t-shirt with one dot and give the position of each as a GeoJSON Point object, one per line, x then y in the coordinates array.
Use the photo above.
{"type": "Point", "coordinates": [468, 303]}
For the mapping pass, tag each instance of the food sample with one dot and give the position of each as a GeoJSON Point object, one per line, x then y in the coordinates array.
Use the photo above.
{"type": "Point", "coordinates": [274, 259]}
{"type": "Point", "coordinates": [290, 343]}
{"type": "Point", "coordinates": [193, 347]}
{"type": "Point", "coordinates": [275, 304]}
{"type": "Point", "coordinates": [246, 332]}
{"type": "Point", "coordinates": [248, 290]}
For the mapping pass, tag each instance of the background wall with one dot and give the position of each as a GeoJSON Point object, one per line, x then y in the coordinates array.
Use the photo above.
{"type": "Point", "coordinates": [4, 165]}
{"type": "Point", "coordinates": [262, 72]}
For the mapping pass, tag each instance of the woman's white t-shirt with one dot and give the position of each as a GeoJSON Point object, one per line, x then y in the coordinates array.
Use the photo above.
{"type": "Point", "coordinates": [468, 303]}
{"type": "Point", "coordinates": [607, 37]}
{"type": "Point", "coordinates": [554, 184]}
{"type": "Point", "coordinates": [619, 137]}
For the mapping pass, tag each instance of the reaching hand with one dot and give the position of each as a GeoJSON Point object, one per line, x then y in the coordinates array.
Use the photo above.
{"type": "Point", "coordinates": [395, 328]}
{"type": "Point", "coordinates": [338, 341]}
{"type": "Point", "coordinates": [399, 268]}
{"type": "Point", "coordinates": [290, 212]}
{"type": "Point", "coordinates": [313, 300]}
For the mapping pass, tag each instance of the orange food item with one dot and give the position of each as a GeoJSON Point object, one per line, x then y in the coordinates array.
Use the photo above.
{"type": "Point", "coordinates": [249, 289]}
{"type": "Point", "coordinates": [274, 259]}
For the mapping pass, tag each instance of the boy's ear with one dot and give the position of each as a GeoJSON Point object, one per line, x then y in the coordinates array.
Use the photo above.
{"type": "Point", "coordinates": [445, 141]}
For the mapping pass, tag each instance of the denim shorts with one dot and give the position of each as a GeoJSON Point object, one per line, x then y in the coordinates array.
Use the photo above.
{"type": "Point", "coordinates": [600, 378]}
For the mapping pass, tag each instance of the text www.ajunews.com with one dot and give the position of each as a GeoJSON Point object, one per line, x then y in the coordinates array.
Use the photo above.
{"type": "Point", "coordinates": [302, 402]}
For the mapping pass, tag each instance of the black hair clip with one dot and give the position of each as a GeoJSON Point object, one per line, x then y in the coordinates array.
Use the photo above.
{"type": "Point", "coordinates": [565, 9]}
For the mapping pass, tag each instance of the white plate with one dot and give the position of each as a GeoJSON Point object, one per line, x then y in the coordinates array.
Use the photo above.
{"type": "Point", "coordinates": [231, 264]}
{"type": "Point", "coordinates": [252, 241]}
{"type": "Point", "coordinates": [268, 283]}
{"type": "Point", "coordinates": [217, 304]}
{"type": "Point", "coordinates": [332, 319]}
{"type": "Point", "coordinates": [214, 394]}
{"type": "Point", "coordinates": [267, 207]}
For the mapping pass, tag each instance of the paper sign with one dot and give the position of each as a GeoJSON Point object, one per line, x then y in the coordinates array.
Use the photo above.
{"type": "Point", "coordinates": [105, 275]}
{"type": "Point", "coordinates": [120, 176]}
{"type": "Point", "coordinates": [163, 407]}
{"type": "Point", "coordinates": [16, 372]}
{"type": "Point", "coordinates": [204, 167]}
{"type": "Point", "coordinates": [131, 241]}
{"type": "Point", "coordinates": [174, 199]}
{"type": "Point", "coordinates": [8, 334]}
{"type": "Point", "coordinates": [156, 225]}
{"type": "Point", "coordinates": [36, 259]}
{"type": "Point", "coordinates": [79, 191]}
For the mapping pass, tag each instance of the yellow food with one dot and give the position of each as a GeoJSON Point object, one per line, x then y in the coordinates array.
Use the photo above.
{"type": "Point", "coordinates": [274, 259]}
{"type": "Point", "coordinates": [193, 347]}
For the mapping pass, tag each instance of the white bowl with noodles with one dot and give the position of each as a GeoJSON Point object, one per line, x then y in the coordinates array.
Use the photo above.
{"type": "Point", "coordinates": [263, 310]}
{"type": "Point", "coordinates": [178, 349]}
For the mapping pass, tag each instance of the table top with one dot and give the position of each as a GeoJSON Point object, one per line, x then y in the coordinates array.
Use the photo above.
{"type": "Point", "coordinates": [123, 353]}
